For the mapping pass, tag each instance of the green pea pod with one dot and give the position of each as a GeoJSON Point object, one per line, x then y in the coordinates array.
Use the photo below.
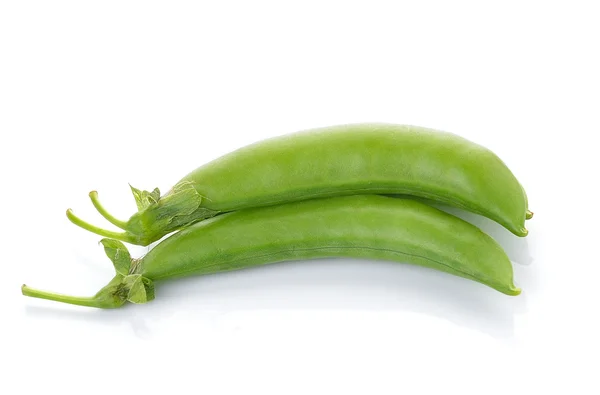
{"type": "Point", "coordinates": [360, 226]}
{"type": "Point", "coordinates": [332, 161]}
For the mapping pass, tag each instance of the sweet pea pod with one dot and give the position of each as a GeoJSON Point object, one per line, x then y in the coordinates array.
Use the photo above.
{"type": "Point", "coordinates": [332, 161]}
{"type": "Point", "coordinates": [360, 226]}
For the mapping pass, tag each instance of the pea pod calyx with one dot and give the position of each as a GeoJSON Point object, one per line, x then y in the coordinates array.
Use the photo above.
{"type": "Point", "coordinates": [128, 285]}
{"type": "Point", "coordinates": [156, 216]}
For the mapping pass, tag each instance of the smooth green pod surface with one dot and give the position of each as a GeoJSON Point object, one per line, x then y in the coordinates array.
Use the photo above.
{"type": "Point", "coordinates": [361, 226]}
{"type": "Point", "coordinates": [334, 161]}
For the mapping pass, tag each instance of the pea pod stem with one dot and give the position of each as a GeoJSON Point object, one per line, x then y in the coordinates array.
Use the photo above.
{"type": "Point", "coordinates": [124, 236]}
{"type": "Point", "coordinates": [96, 202]}
{"type": "Point", "coordinates": [76, 300]}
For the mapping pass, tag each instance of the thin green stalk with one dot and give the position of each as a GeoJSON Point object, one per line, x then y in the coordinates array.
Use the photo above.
{"type": "Point", "coordinates": [76, 300]}
{"type": "Point", "coordinates": [96, 202]}
{"type": "Point", "coordinates": [123, 236]}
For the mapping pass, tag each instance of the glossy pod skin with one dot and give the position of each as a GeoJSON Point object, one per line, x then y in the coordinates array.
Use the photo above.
{"type": "Point", "coordinates": [360, 226]}
{"type": "Point", "coordinates": [334, 161]}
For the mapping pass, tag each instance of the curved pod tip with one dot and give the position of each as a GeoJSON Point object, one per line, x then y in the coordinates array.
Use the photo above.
{"type": "Point", "coordinates": [528, 214]}
{"type": "Point", "coordinates": [523, 232]}
{"type": "Point", "coordinates": [514, 291]}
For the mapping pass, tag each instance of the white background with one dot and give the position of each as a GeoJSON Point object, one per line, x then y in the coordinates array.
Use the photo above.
{"type": "Point", "coordinates": [95, 95]}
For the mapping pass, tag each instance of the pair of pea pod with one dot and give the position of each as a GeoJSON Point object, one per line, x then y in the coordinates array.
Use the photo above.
{"type": "Point", "coordinates": [314, 194]}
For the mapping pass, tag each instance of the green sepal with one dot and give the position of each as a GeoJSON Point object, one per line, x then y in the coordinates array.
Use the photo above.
{"type": "Point", "coordinates": [118, 254]}
{"type": "Point", "coordinates": [113, 294]}
{"type": "Point", "coordinates": [182, 201]}
{"type": "Point", "coordinates": [157, 216]}
{"type": "Point", "coordinates": [149, 287]}
{"type": "Point", "coordinates": [144, 199]}
{"type": "Point", "coordinates": [180, 207]}
{"type": "Point", "coordinates": [141, 289]}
